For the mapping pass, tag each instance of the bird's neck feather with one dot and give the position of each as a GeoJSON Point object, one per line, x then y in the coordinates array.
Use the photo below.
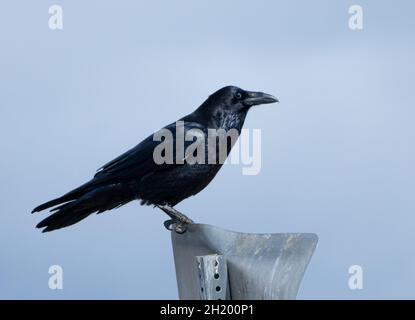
{"type": "Point", "coordinates": [228, 119]}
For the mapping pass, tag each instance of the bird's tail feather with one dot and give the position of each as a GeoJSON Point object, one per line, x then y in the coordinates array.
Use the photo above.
{"type": "Point", "coordinates": [67, 215]}
{"type": "Point", "coordinates": [98, 200]}
{"type": "Point", "coordinates": [52, 203]}
{"type": "Point", "coordinates": [72, 195]}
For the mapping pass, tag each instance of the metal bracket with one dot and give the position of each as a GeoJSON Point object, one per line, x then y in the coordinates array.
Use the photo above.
{"type": "Point", "coordinates": [259, 266]}
{"type": "Point", "coordinates": [213, 275]}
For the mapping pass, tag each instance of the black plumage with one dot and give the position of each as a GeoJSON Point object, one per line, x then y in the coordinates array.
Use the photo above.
{"type": "Point", "coordinates": [135, 175]}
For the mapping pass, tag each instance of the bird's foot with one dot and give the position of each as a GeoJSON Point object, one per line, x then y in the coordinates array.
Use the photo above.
{"type": "Point", "coordinates": [174, 225]}
{"type": "Point", "coordinates": [178, 221]}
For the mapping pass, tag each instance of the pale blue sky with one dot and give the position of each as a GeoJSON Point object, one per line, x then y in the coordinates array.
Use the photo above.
{"type": "Point", "coordinates": [337, 152]}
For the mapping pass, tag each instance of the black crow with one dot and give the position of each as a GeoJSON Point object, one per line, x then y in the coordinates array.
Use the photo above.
{"type": "Point", "coordinates": [138, 175]}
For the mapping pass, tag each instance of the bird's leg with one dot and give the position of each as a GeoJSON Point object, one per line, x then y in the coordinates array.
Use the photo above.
{"type": "Point", "coordinates": [177, 218]}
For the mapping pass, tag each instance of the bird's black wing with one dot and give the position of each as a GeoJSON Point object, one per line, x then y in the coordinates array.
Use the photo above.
{"type": "Point", "coordinates": [139, 160]}
{"type": "Point", "coordinates": [131, 165]}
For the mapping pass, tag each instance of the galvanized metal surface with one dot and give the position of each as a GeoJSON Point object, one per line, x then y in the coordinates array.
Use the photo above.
{"type": "Point", "coordinates": [213, 277]}
{"type": "Point", "coordinates": [260, 266]}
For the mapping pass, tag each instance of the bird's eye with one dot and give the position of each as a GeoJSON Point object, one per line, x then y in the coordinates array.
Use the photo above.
{"type": "Point", "coordinates": [238, 95]}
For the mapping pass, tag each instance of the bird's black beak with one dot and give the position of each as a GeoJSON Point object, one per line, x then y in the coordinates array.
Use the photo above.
{"type": "Point", "coordinates": [255, 98]}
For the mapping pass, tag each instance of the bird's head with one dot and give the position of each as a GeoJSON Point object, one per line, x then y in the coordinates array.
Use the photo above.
{"type": "Point", "coordinates": [228, 106]}
{"type": "Point", "coordinates": [232, 98]}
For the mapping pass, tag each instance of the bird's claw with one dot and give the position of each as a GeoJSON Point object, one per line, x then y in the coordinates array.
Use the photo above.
{"type": "Point", "coordinates": [180, 228]}
{"type": "Point", "coordinates": [168, 224]}
{"type": "Point", "coordinates": [178, 221]}
{"type": "Point", "coordinates": [177, 226]}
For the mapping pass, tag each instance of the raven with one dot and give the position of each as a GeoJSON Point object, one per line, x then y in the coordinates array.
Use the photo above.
{"type": "Point", "coordinates": [135, 175]}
